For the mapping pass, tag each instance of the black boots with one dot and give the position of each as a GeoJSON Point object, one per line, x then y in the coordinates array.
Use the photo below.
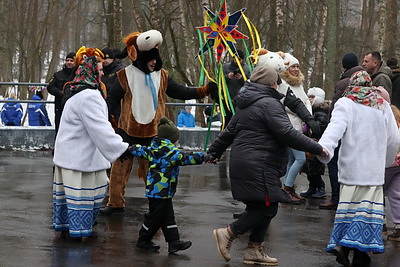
{"type": "Point", "coordinates": [107, 210]}
{"type": "Point", "coordinates": [361, 259]}
{"type": "Point", "coordinates": [342, 255]}
{"type": "Point", "coordinates": [177, 245]}
{"type": "Point", "coordinates": [147, 245]}
{"type": "Point", "coordinates": [173, 246]}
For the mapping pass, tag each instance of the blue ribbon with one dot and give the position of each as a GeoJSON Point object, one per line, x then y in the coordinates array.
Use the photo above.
{"type": "Point", "coordinates": [149, 82]}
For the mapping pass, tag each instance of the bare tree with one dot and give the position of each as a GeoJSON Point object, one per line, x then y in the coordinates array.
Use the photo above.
{"type": "Point", "coordinates": [391, 29]}
{"type": "Point", "coordinates": [382, 24]}
{"type": "Point", "coordinates": [331, 46]}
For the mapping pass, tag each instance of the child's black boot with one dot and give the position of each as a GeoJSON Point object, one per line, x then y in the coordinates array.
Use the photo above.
{"type": "Point", "coordinates": [177, 245]}
{"type": "Point", "coordinates": [147, 245]}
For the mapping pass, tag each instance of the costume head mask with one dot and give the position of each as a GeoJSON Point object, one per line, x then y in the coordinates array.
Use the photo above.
{"type": "Point", "coordinates": [87, 52]}
{"type": "Point", "coordinates": [143, 47]}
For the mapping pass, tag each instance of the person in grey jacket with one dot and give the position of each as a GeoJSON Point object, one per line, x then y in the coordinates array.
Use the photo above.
{"type": "Point", "coordinates": [259, 135]}
{"type": "Point", "coordinates": [377, 69]}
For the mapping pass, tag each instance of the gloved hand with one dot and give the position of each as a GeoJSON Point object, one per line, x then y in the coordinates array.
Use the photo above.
{"type": "Point", "coordinates": [126, 155]}
{"type": "Point", "coordinates": [213, 90]}
{"type": "Point", "coordinates": [208, 158]}
{"type": "Point", "coordinates": [315, 131]}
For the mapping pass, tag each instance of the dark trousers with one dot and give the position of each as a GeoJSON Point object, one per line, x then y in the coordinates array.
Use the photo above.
{"type": "Point", "coordinates": [161, 215]}
{"type": "Point", "coordinates": [314, 170]}
{"type": "Point", "coordinates": [333, 176]}
{"type": "Point", "coordinates": [256, 219]}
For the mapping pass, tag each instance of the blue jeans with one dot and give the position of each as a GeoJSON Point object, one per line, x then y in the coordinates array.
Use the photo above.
{"type": "Point", "coordinates": [296, 161]}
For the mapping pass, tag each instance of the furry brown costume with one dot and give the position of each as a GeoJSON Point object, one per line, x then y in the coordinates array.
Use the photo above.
{"type": "Point", "coordinates": [141, 107]}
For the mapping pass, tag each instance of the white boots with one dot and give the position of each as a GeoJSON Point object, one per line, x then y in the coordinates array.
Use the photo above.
{"type": "Point", "coordinates": [255, 254]}
{"type": "Point", "coordinates": [224, 238]}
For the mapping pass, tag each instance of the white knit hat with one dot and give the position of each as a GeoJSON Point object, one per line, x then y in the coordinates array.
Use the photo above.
{"type": "Point", "coordinates": [290, 60]}
{"type": "Point", "coordinates": [318, 93]}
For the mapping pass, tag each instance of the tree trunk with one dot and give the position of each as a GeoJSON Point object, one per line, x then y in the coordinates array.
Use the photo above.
{"type": "Point", "coordinates": [299, 29]}
{"type": "Point", "coordinates": [331, 48]}
{"type": "Point", "coordinates": [382, 24]}
{"type": "Point", "coordinates": [117, 33]}
{"type": "Point", "coordinates": [273, 26]}
{"type": "Point", "coordinates": [137, 15]}
{"type": "Point", "coordinates": [317, 75]}
{"type": "Point", "coordinates": [391, 28]}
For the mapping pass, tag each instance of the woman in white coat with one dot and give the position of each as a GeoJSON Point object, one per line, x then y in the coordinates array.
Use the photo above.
{"type": "Point", "coordinates": [85, 145]}
{"type": "Point", "coordinates": [365, 124]}
{"type": "Point", "coordinates": [293, 78]}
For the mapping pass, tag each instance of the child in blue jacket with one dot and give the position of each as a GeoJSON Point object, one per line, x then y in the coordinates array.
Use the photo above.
{"type": "Point", "coordinates": [37, 113]}
{"type": "Point", "coordinates": [165, 159]}
{"type": "Point", "coordinates": [11, 113]}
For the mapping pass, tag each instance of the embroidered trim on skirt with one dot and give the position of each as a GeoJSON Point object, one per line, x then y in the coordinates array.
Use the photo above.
{"type": "Point", "coordinates": [77, 198]}
{"type": "Point", "coordinates": [359, 219]}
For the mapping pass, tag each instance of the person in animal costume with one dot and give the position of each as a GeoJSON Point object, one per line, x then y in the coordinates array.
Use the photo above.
{"type": "Point", "coordinates": [142, 89]}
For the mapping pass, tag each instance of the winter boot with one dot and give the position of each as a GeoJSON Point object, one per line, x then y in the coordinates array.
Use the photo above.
{"type": "Point", "coordinates": [342, 255]}
{"type": "Point", "coordinates": [319, 193]}
{"type": "Point", "coordinates": [224, 238]}
{"type": "Point", "coordinates": [255, 254]}
{"type": "Point", "coordinates": [310, 191]}
{"type": "Point", "coordinates": [361, 259]}
{"type": "Point", "coordinates": [293, 196]}
{"type": "Point", "coordinates": [177, 245]}
{"type": "Point", "coordinates": [147, 245]}
{"type": "Point", "coordinates": [395, 235]}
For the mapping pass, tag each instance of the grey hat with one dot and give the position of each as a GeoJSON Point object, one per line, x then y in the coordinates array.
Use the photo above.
{"type": "Point", "coordinates": [264, 75]}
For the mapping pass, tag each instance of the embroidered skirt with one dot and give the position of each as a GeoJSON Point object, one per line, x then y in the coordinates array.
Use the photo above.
{"type": "Point", "coordinates": [77, 198]}
{"type": "Point", "coordinates": [359, 219]}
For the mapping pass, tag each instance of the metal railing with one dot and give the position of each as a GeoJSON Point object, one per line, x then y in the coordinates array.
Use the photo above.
{"type": "Point", "coordinates": [52, 102]}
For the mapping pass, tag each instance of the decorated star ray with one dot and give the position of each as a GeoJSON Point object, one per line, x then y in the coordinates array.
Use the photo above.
{"type": "Point", "coordinates": [222, 32]}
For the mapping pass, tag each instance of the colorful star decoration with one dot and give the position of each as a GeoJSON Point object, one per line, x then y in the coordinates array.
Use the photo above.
{"type": "Point", "coordinates": [222, 31]}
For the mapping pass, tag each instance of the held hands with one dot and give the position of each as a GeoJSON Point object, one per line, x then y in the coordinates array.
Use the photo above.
{"type": "Point", "coordinates": [208, 158]}
{"type": "Point", "coordinates": [126, 155]}
{"type": "Point", "coordinates": [235, 75]}
{"type": "Point", "coordinates": [324, 153]}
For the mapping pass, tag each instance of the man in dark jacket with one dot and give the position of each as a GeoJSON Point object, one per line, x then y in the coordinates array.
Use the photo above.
{"type": "Point", "coordinates": [234, 80]}
{"type": "Point", "coordinates": [56, 85]}
{"type": "Point", "coordinates": [350, 66]}
{"type": "Point", "coordinates": [259, 134]}
{"type": "Point", "coordinates": [110, 68]}
{"type": "Point", "coordinates": [393, 64]}
{"type": "Point", "coordinates": [377, 69]}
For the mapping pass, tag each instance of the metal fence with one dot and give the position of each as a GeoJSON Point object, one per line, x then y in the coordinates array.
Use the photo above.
{"type": "Point", "coordinates": [176, 106]}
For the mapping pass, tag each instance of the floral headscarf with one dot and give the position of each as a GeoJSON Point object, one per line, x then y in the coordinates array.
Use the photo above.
{"type": "Point", "coordinates": [361, 90]}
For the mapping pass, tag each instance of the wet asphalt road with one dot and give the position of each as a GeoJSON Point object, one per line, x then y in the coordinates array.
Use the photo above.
{"type": "Point", "coordinates": [297, 235]}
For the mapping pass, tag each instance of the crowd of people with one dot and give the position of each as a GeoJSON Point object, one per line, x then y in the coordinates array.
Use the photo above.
{"type": "Point", "coordinates": [107, 115]}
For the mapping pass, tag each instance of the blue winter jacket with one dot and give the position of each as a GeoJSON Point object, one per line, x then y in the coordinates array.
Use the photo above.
{"type": "Point", "coordinates": [165, 159]}
{"type": "Point", "coordinates": [11, 113]}
{"type": "Point", "coordinates": [185, 119]}
{"type": "Point", "coordinates": [37, 113]}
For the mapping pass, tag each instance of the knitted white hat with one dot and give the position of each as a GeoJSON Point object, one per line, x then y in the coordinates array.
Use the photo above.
{"type": "Point", "coordinates": [318, 93]}
{"type": "Point", "coordinates": [290, 60]}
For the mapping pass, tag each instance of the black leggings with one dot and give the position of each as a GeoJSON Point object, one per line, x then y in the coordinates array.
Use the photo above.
{"type": "Point", "coordinates": [256, 219]}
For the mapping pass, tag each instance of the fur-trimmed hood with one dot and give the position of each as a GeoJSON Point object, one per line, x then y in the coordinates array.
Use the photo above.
{"type": "Point", "coordinates": [292, 80]}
